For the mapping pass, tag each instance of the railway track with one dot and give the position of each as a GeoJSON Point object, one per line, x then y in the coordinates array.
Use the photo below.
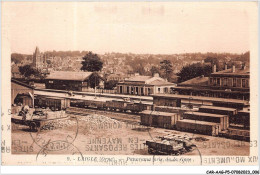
{"type": "Point", "coordinates": [123, 117]}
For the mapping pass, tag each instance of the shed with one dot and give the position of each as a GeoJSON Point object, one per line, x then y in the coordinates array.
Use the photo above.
{"type": "Point", "coordinates": [22, 93]}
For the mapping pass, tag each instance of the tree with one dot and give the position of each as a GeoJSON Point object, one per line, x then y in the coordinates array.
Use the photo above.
{"type": "Point", "coordinates": [94, 80]}
{"type": "Point", "coordinates": [154, 70]}
{"type": "Point", "coordinates": [91, 62]}
{"type": "Point", "coordinates": [166, 67]}
{"type": "Point", "coordinates": [110, 84]}
{"type": "Point", "coordinates": [28, 70]}
{"type": "Point", "coordinates": [192, 71]}
{"type": "Point", "coordinates": [17, 58]}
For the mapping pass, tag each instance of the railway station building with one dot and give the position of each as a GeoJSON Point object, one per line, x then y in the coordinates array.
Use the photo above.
{"type": "Point", "coordinates": [68, 80]}
{"type": "Point", "coordinates": [145, 85]}
{"type": "Point", "coordinates": [233, 83]}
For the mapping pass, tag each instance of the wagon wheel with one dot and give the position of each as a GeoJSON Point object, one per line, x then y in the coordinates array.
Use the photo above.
{"type": "Point", "coordinates": [33, 126]}
{"type": "Point", "coordinates": [150, 151]}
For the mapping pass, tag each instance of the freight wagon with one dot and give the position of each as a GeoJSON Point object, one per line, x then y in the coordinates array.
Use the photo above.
{"type": "Point", "coordinates": [229, 105]}
{"type": "Point", "coordinates": [242, 118]}
{"type": "Point", "coordinates": [239, 134]}
{"type": "Point", "coordinates": [215, 118]}
{"type": "Point", "coordinates": [159, 119]}
{"type": "Point", "coordinates": [115, 105]}
{"type": "Point", "coordinates": [218, 110]}
{"type": "Point", "coordinates": [54, 103]}
{"type": "Point", "coordinates": [35, 123]}
{"type": "Point", "coordinates": [201, 127]}
{"type": "Point", "coordinates": [169, 109]}
{"type": "Point", "coordinates": [164, 147]}
{"type": "Point", "coordinates": [187, 144]}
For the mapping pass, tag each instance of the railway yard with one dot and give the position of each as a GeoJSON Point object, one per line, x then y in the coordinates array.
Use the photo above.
{"type": "Point", "coordinates": [116, 126]}
{"type": "Point", "coordinates": [111, 133]}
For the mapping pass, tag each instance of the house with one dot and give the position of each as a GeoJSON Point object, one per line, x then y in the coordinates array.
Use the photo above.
{"type": "Point", "coordinates": [144, 85]}
{"type": "Point", "coordinates": [68, 80]}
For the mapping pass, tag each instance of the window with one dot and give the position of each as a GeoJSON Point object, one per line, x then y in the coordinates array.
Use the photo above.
{"type": "Point", "coordinates": [214, 82]}
{"type": "Point", "coordinates": [234, 82]}
{"type": "Point", "coordinates": [149, 91]}
{"type": "Point", "coordinates": [142, 91]}
{"type": "Point", "coordinates": [136, 90]}
{"type": "Point", "coordinates": [166, 90]}
{"type": "Point", "coordinates": [247, 83]}
{"type": "Point", "coordinates": [127, 89]}
{"type": "Point", "coordinates": [218, 81]}
{"type": "Point", "coordinates": [225, 82]}
{"type": "Point", "coordinates": [159, 89]}
{"type": "Point", "coordinates": [243, 83]}
{"type": "Point", "coordinates": [238, 82]}
{"type": "Point", "coordinates": [230, 82]}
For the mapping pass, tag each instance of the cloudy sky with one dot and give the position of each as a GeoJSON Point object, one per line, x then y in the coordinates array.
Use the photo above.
{"type": "Point", "coordinates": [128, 27]}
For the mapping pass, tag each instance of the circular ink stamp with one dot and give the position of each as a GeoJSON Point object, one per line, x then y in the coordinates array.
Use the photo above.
{"type": "Point", "coordinates": [53, 132]}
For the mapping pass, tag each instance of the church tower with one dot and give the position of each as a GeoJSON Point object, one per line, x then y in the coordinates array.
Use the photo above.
{"type": "Point", "coordinates": [37, 58]}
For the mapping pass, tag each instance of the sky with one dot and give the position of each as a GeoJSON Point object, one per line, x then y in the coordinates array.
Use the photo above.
{"type": "Point", "coordinates": [148, 27]}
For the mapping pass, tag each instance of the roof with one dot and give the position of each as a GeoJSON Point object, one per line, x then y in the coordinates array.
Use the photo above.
{"type": "Point", "coordinates": [69, 75]}
{"type": "Point", "coordinates": [149, 80]}
{"type": "Point", "coordinates": [138, 78]}
{"type": "Point", "coordinates": [197, 122]}
{"type": "Point", "coordinates": [200, 80]}
{"type": "Point", "coordinates": [205, 114]}
{"type": "Point", "coordinates": [160, 83]}
{"type": "Point", "coordinates": [21, 83]}
{"type": "Point", "coordinates": [202, 98]}
{"type": "Point", "coordinates": [238, 71]}
{"type": "Point", "coordinates": [218, 108]}
{"type": "Point", "coordinates": [159, 113]}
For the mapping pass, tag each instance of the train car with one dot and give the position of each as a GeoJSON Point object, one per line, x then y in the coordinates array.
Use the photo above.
{"type": "Point", "coordinates": [242, 118]}
{"type": "Point", "coordinates": [134, 107]}
{"type": "Point", "coordinates": [229, 105]}
{"type": "Point", "coordinates": [218, 110]}
{"type": "Point", "coordinates": [35, 123]}
{"type": "Point", "coordinates": [116, 105]}
{"type": "Point", "coordinates": [239, 134]}
{"type": "Point", "coordinates": [164, 147]}
{"type": "Point", "coordinates": [159, 119]}
{"type": "Point", "coordinates": [54, 103]}
{"type": "Point", "coordinates": [201, 127]}
{"type": "Point", "coordinates": [208, 117]}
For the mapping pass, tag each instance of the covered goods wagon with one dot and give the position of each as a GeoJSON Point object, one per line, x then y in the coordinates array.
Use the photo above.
{"type": "Point", "coordinates": [202, 127]}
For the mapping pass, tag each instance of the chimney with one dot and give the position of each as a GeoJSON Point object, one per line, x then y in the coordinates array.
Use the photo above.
{"type": "Point", "coordinates": [214, 68]}
{"type": "Point", "coordinates": [233, 68]}
{"type": "Point", "coordinates": [156, 75]}
{"type": "Point", "coordinates": [225, 66]}
{"type": "Point", "coordinates": [136, 74]}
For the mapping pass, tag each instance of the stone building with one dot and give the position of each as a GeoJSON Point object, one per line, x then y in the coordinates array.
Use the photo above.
{"type": "Point", "coordinates": [144, 85]}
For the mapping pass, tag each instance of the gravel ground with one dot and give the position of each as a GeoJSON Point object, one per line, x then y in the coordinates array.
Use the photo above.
{"type": "Point", "coordinates": [97, 134]}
